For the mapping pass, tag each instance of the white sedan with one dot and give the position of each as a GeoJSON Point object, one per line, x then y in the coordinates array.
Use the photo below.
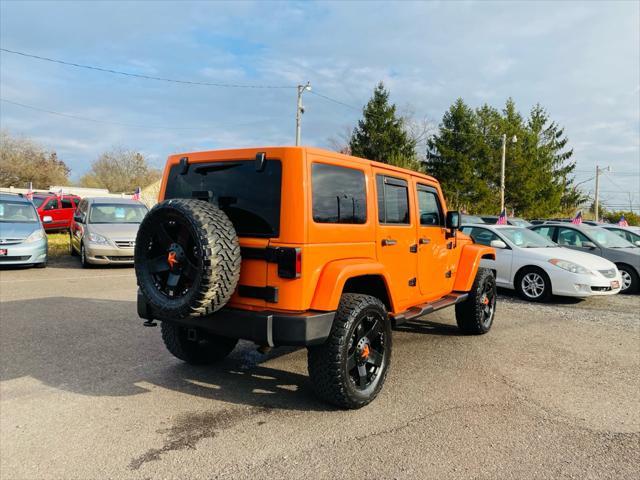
{"type": "Point", "coordinates": [536, 267]}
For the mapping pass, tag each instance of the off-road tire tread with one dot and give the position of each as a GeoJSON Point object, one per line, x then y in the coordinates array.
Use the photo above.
{"type": "Point", "coordinates": [220, 263]}
{"type": "Point", "coordinates": [325, 361]}
{"type": "Point", "coordinates": [469, 312]}
{"type": "Point", "coordinates": [193, 353]}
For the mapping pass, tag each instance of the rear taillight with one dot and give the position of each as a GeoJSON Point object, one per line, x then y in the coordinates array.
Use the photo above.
{"type": "Point", "coordinates": [289, 262]}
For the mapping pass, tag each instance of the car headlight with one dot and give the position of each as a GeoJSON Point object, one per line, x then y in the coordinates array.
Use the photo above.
{"type": "Point", "coordinates": [96, 238]}
{"type": "Point", "coordinates": [570, 266]}
{"type": "Point", "coordinates": [35, 236]}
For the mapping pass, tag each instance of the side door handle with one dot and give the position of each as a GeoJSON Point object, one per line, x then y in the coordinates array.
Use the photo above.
{"type": "Point", "coordinates": [424, 241]}
{"type": "Point", "coordinates": [387, 242]}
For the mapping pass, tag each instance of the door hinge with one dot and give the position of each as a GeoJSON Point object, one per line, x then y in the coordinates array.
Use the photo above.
{"type": "Point", "coordinates": [447, 274]}
{"type": "Point", "coordinates": [412, 282]}
{"type": "Point", "coordinates": [413, 248]}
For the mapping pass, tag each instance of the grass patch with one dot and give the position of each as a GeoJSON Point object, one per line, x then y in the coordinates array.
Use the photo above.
{"type": "Point", "coordinates": [58, 245]}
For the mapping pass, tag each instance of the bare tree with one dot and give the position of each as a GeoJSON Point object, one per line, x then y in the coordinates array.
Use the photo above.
{"type": "Point", "coordinates": [22, 161]}
{"type": "Point", "coordinates": [120, 170]}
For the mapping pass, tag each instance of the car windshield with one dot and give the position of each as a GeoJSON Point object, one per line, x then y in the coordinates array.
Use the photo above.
{"type": "Point", "coordinates": [519, 222]}
{"type": "Point", "coordinates": [37, 201]}
{"type": "Point", "coordinates": [117, 213]}
{"type": "Point", "coordinates": [17, 212]}
{"type": "Point", "coordinates": [608, 239]}
{"type": "Point", "coordinates": [471, 219]}
{"type": "Point", "coordinates": [525, 238]}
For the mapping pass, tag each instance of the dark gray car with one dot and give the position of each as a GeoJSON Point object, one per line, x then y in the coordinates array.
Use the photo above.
{"type": "Point", "coordinates": [601, 242]}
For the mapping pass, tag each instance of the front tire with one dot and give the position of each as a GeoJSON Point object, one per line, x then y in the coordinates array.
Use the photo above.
{"type": "Point", "coordinates": [630, 281]}
{"type": "Point", "coordinates": [475, 315]}
{"type": "Point", "coordinates": [533, 284]}
{"type": "Point", "coordinates": [350, 368]}
{"type": "Point", "coordinates": [205, 349]}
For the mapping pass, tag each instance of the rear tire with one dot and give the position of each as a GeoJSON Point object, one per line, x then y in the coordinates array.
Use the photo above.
{"type": "Point", "coordinates": [204, 350]}
{"type": "Point", "coordinates": [72, 251]}
{"type": "Point", "coordinates": [630, 278]}
{"type": "Point", "coordinates": [350, 368]}
{"type": "Point", "coordinates": [475, 315]}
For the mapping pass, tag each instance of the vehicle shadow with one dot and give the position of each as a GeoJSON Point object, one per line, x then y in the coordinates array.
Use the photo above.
{"type": "Point", "coordinates": [99, 347]}
{"type": "Point", "coordinates": [555, 300]}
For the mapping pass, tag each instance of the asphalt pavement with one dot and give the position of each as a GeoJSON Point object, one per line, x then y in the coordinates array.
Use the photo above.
{"type": "Point", "coordinates": [553, 391]}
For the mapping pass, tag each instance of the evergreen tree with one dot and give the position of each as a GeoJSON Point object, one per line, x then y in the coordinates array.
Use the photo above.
{"type": "Point", "coordinates": [380, 134]}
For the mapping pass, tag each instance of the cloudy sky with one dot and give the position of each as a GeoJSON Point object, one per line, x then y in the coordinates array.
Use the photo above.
{"type": "Point", "coordinates": [581, 60]}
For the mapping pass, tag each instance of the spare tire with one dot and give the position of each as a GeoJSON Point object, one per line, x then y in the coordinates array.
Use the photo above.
{"type": "Point", "coordinates": [187, 258]}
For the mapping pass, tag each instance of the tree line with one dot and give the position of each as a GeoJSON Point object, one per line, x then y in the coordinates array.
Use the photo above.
{"type": "Point", "coordinates": [23, 161]}
{"type": "Point", "coordinates": [464, 154]}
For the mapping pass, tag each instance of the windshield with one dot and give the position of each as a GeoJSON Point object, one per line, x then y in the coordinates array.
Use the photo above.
{"type": "Point", "coordinates": [37, 201]}
{"type": "Point", "coordinates": [250, 197]}
{"type": "Point", "coordinates": [608, 239]}
{"type": "Point", "coordinates": [525, 238]}
{"type": "Point", "coordinates": [117, 213]}
{"type": "Point", "coordinates": [471, 219]}
{"type": "Point", "coordinates": [17, 212]}
{"type": "Point", "coordinates": [519, 222]}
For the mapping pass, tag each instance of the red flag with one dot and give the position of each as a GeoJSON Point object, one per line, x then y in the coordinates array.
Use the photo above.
{"type": "Point", "coordinates": [577, 220]}
{"type": "Point", "coordinates": [136, 194]}
{"type": "Point", "coordinates": [623, 222]}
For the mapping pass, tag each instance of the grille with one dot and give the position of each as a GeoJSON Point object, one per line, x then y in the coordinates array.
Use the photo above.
{"type": "Point", "coordinates": [10, 241]}
{"type": "Point", "coordinates": [608, 273]}
{"type": "Point", "coordinates": [120, 259]}
{"type": "Point", "coordinates": [125, 243]}
{"type": "Point", "coordinates": [601, 289]}
{"type": "Point", "coordinates": [15, 258]}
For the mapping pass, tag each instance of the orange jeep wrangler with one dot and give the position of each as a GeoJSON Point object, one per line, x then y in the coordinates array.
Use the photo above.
{"type": "Point", "coordinates": [302, 246]}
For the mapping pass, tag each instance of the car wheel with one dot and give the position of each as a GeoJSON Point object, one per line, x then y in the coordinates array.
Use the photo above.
{"type": "Point", "coordinates": [72, 251]}
{"type": "Point", "coordinates": [629, 279]}
{"type": "Point", "coordinates": [83, 257]}
{"type": "Point", "coordinates": [195, 346]}
{"type": "Point", "coordinates": [533, 284]}
{"type": "Point", "coordinates": [475, 315]}
{"type": "Point", "coordinates": [349, 369]}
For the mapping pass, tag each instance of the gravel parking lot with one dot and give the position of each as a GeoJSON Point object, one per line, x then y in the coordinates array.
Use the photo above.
{"type": "Point", "coordinates": [87, 392]}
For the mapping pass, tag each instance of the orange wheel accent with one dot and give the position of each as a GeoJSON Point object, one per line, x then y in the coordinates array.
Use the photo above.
{"type": "Point", "coordinates": [171, 259]}
{"type": "Point", "coordinates": [365, 351]}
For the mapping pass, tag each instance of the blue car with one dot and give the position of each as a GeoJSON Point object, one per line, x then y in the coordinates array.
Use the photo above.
{"type": "Point", "coordinates": [23, 240]}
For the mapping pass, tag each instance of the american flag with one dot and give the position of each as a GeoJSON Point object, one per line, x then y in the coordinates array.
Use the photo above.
{"type": "Point", "coordinates": [577, 220]}
{"type": "Point", "coordinates": [30, 192]}
{"type": "Point", "coordinates": [136, 194]}
{"type": "Point", "coordinates": [59, 193]}
{"type": "Point", "coordinates": [623, 222]}
{"type": "Point", "coordinates": [502, 219]}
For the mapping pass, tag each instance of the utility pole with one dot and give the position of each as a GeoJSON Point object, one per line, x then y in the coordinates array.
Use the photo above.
{"type": "Point", "coordinates": [502, 165]}
{"type": "Point", "coordinates": [597, 195]}
{"type": "Point", "coordinates": [300, 110]}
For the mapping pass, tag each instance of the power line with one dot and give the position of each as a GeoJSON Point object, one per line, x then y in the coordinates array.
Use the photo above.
{"type": "Point", "coordinates": [145, 77]}
{"type": "Point", "coordinates": [326, 97]}
{"type": "Point", "coordinates": [130, 125]}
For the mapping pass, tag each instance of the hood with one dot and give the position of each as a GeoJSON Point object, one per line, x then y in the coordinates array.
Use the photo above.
{"type": "Point", "coordinates": [115, 231]}
{"type": "Point", "coordinates": [18, 230]}
{"type": "Point", "coordinates": [584, 259]}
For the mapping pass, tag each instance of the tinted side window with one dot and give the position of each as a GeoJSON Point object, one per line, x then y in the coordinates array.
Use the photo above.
{"type": "Point", "coordinates": [393, 200]}
{"type": "Point", "coordinates": [430, 210]}
{"type": "Point", "coordinates": [571, 237]}
{"type": "Point", "coordinates": [481, 235]}
{"type": "Point", "coordinates": [52, 204]}
{"type": "Point", "coordinates": [338, 194]}
{"type": "Point", "coordinates": [545, 232]}
{"type": "Point", "coordinates": [66, 203]}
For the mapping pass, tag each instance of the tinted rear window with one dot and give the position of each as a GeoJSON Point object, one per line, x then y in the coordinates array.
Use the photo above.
{"type": "Point", "coordinates": [250, 198]}
{"type": "Point", "coordinates": [338, 194]}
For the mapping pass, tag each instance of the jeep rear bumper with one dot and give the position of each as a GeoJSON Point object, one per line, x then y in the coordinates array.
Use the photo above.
{"type": "Point", "coordinates": [263, 327]}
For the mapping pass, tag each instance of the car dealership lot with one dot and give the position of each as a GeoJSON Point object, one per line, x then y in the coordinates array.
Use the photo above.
{"type": "Point", "coordinates": [87, 392]}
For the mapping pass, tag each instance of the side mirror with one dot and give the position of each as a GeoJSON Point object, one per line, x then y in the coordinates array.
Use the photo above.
{"type": "Point", "coordinates": [47, 219]}
{"type": "Point", "coordinates": [589, 245]}
{"type": "Point", "coordinates": [637, 243]}
{"type": "Point", "coordinates": [453, 220]}
{"type": "Point", "coordinates": [498, 244]}
{"type": "Point", "coordinates": [77, 218]}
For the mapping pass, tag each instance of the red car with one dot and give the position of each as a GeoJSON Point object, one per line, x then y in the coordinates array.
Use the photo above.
{"type": "Point", "coordinates": [59, 208]}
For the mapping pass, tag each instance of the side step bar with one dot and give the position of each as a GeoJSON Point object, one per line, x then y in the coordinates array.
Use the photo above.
{"type": "Point", "coordinates": [425, 308]}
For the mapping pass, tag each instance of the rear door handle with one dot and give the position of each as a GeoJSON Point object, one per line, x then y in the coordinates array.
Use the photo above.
{"type": "Point", "coordinates": [387, 242]}
{"type": "Point", "coordinates": [424, 241]}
